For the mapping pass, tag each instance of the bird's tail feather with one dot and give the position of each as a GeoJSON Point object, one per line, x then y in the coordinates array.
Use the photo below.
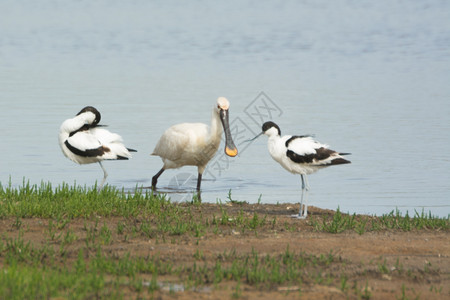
{"type": "Point", "coordinates": [339, 161]}
{"type": "Point", "coordinates": [121, 157]}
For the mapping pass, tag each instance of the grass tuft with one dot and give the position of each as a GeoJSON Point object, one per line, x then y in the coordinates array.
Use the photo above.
{"type": "Point", "coordinates": [88, 261]}
{"type": "Point", "coordinates": [339, 222]}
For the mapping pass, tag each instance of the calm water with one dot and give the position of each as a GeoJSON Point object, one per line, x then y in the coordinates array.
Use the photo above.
{"type": "Point", "coordinates": [366, 77]}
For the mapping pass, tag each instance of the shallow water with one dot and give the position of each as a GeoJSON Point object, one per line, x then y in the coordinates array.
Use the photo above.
{"type": "Point", "coordinates": [366, 78]}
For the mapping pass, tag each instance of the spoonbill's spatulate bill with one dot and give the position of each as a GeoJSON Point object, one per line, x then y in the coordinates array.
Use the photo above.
{"type": "Point", "coordinates": [300, 154]}
{"type": "Point", "coordinates": [84, 142]}
{"type": "Point", "coordinates": [194, 144]}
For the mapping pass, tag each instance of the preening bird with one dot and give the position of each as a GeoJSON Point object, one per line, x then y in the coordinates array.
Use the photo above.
{"type": "Point", "coordinates": [83, 142]}
{"type": "Point", "coordinates": [194, 144]}
{"type": "Point", "coordinates": [300, 154]}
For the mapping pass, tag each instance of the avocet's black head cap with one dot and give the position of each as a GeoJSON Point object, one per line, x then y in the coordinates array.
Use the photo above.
{"type": "Point", "coordinates": [92, 110]}
{"type": "Point", "coordinates": [266, 126]}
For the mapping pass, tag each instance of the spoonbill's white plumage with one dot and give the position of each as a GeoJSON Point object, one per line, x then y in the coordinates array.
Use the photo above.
{"type": "Point", "coordinates": [300, 155]}
{"type": "Point", "coordinates": [83, 142]}
{"type": "Point", "coordinates": [194, 144]}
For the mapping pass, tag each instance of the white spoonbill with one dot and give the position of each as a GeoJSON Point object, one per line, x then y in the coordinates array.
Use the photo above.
{"type": "Point", "coordinates": [194, 144]}
{"type": "Point", "coordinates": [300, 154]}
{"type": "Point", "coordinates": [83, 142]}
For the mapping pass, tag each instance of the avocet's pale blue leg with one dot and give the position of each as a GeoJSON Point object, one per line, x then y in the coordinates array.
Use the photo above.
{"type": "Point", "coordinates": [305, 184]}
{"type": "Point", "coordinates": [302, 213]}
{"type": "Point", "coordinates": [105, 174]}
{"type": "Point", "coordinates": [305, 211]}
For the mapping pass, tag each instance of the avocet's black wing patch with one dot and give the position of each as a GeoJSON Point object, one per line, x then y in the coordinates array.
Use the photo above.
{"type": "Point", "coordinates": [82, 128]}
{"type": "Point", "coordinates": [320, 156]}
{"type": "Point", "coordinates": [85, 127]}
{"type": "Point", "coordinates": [88, 152]}
{"type": "Point", "coordinates": [294, 137]}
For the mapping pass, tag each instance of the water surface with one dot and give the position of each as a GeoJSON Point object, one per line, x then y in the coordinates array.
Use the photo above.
{"type": "Point", "coordinates": [370, 78]}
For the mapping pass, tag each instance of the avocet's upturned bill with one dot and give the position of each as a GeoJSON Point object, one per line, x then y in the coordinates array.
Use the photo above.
{"type": "Point", "coordinates": [300, 154]}
{"type": "Point", "coordinates": [194, 144]}
{"type": "Point", "coordinates": [83, 142]}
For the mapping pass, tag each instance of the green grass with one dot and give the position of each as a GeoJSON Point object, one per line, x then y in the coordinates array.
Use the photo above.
{"type": "Point", "coordinates": [63, 203]}
{"type": "Point", "coordinates": [87, 275]}
{"type": "Point", "coordinates": [340, 222]}
{"type": "Point", "coordinates": [71, 201]}
{"type": "Point", "coordinates": [50, 269]}
{"type": "Point", "coordinates": [36, 272]}
{"type": "Point", "coordinates": [34, 282]}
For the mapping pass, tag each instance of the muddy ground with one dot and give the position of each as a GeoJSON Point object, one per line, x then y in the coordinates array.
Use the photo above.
{"type": "Point", "coordinates": [384, 264]}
